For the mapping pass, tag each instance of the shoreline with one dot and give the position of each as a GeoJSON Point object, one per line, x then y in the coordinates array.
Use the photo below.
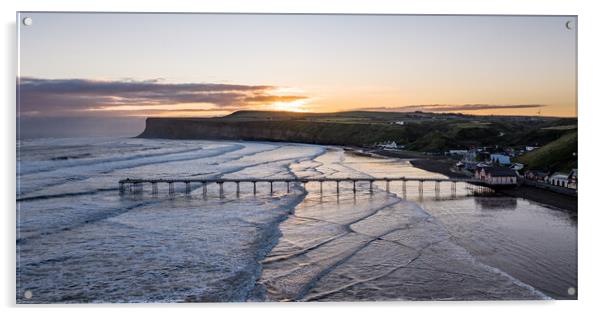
{"type": "Point", "coordinates": [444, 166]}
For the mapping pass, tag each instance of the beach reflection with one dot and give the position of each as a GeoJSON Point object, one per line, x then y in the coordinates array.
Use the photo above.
{"type": "Point", "coordinates": [411, 244]}
{"type": "Point", "coordinates": [496, 203]}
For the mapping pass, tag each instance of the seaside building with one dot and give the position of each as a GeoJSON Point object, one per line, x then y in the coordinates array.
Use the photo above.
{"type": "Point", "coordinates": [536, 175]}
{"type": "Point", "coordinates": [559, 179]}
{"type": "Point", "coordinates": [500, 159]}
{"type": "Point", "coordinates": [388, 145]}
{"type": "Point", "coordinates": [496, 175]}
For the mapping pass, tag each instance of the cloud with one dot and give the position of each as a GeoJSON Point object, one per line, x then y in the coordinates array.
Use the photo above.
{"type": "Point", "coordinates": [52, 97]}
{"type": "Point", "coordinates": [452, 107]}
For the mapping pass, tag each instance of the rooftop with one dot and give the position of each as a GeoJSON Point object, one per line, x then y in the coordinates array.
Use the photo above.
{"type": "Point", "coordinates": [499, 171]}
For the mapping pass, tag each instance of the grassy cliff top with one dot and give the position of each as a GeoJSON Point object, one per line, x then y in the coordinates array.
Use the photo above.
{"type": "Point", "coordinates": [385, 117]}
{"type": "Point", "coordinates": [558, 155]}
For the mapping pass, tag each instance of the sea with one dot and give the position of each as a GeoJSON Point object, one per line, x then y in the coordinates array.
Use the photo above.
{"type": "Point", "coordinates": [79, 240]}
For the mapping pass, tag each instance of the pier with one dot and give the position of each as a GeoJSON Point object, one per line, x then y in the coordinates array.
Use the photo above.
{"type": "Point", "coordinates": [137, 185]}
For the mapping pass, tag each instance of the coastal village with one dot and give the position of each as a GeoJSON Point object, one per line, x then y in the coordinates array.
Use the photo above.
{"type": "Point", "coordinates": [497, 166]}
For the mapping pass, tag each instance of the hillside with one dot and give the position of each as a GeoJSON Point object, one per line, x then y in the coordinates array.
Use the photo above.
{"type": "Point", "coordinates": [418, 131]}
{"type": "Point", "coordinates": [555, 156]}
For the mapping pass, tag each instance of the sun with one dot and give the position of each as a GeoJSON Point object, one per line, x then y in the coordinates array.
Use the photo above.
{"type": "Point", "coordinates": [293, 106]}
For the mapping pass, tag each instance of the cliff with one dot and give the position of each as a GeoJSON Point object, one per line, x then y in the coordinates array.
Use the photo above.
{"type": "Point", "coordinates": [327, 133]}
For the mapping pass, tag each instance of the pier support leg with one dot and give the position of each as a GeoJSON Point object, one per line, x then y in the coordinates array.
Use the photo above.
{"type": "Point", "coordinates": [254, 188]}
{"type": "Point", "coordinates": [288, 187]}
{"type": "Point", "coordinates": [388, 183]}
{"type": "Point", "coordinates": [353, 187]}
{"type": "Point", "coordinates": [321, 187]}
{"type": "Point", "coordinates": [121, 188]}
{"type": "Point", "coordinates": [337, 188]}
{"type": "Point", "coordinates": [403, 188]}
{"type": "Point", "coordinates": [371, 183]}
{"type": "Point", "coordinates": [188, 188]}
{"type": "Point", "coordinates": [205, 190]}
{"type": "Point", "coordinates": [139, 188]}
{"type": "Point", "coordinates": [271, 187]}
{"type": "Point", "coordinates": [237, 189]}
{"type": "Point", "coordinates": [155, 188]}
{"type": "Point", "coordinates": [171, 188]}
{"type": "Point", "coordinates": [221, 190]}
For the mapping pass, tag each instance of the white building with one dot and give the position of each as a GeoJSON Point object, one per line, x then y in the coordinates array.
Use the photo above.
{"type": "Point", "coordinates": [559, 179]}
{"type": "Point", "coordinates": [388, 145]}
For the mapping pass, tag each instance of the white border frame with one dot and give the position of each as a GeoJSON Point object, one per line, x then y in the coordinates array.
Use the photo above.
{"type": "Point", "coordinates": [588, 109]}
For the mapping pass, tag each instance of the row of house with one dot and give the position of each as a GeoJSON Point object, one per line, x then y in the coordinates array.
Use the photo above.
{"type": "Point", "coordinates": [476, 155]}
{"type": "Point", "coordinates": [497, 168]}
{"type": "Point", "coordinates": [494, 154]}
{"type": "Point", "coordinates": [496, 175]}
{"type": "Point", "coordinates": [566, 180]}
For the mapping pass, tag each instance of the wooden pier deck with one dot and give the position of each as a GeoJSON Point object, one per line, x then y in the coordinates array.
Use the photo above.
{"type": "Point", "coordinates": [136, 185]}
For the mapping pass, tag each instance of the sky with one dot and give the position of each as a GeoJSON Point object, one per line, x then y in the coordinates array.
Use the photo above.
{"type": "Point", "coordinates": [114, 70]}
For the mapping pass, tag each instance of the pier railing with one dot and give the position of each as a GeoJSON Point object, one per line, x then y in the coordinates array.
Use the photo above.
{"type": "Point", "coordinates": [136, 185]}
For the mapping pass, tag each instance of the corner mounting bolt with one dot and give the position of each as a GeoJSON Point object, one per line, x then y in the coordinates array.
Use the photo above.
{"type": "Point", "coordinates": [27, 21]}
